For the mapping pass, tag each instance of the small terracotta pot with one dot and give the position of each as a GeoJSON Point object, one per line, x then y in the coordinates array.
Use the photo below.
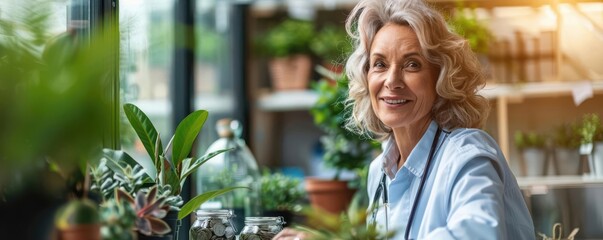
{"type": "Point", "coordinates": [330, 195]}
{"type": "Point", "coordinates": [290, 73]}
{"type": "Point", "coordinates": [81, 232]}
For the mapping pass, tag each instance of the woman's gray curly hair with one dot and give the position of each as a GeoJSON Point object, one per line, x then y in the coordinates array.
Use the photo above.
{"type": "Point", "coordinates": [458, 105]}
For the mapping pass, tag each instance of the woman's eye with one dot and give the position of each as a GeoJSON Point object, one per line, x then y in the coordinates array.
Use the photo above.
{"type": "Point", "coordinates": [413, 66]}
{"type": "Point", "coordinates": [378, 64]}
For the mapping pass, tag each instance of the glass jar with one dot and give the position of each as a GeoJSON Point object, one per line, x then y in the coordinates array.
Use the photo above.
{"type": "Point", "coordinates": [261, 228]}
{"type": "Point", "coordinates": [213, 224]}
{"type": "Point", "coordinates": [236, 167]}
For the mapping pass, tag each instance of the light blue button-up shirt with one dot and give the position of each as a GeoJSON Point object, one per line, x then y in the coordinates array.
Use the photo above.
{"type": "Point", "coordinates": [469, 193]}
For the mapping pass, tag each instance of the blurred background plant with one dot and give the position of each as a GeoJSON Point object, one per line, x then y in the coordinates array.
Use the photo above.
{"type": "Point", "coordinates": [280, 192]}
{"type": "Point", "coordinates": [591, 129]}
{"type": "Point", "coordinates": [289, 37]}
{"type": "Point", "coordinates": [331, 44]}
{"type": "Point", "coordinates": [567, 135]}
{"type": "Point", "coordinates": [53, 114]}
{"type": "Point", "coordinates": [344, 150]}
{"type": "Point", "coordinates": [527, 139]}
{"type": "Point", "coordinates": [349, 225]}
{"type": "Point", "coordinates": [465, 23]}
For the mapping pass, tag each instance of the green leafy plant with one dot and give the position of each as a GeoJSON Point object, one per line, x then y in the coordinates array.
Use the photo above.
{"type": "Point", "coordinates": [280, 192]}
{"type": "Point", "coordinates": [289, 37]}
{"type": "Point", "coordinates": [343, 149]}
{"type": "Point", "coordinates": [567, 136]}
{"type": "Point", "coordinates": [331, 44]}
{"type": "Point", "coordinates": [466, 24]}
{"type": "Point", "coordinates": [349, 225]}
{"type": "Point", "coordinates": [172, 166]}
{"type": "Point", "coordinates": [525, 140]}
{"type": "Point", "coordinates": [591, 129]}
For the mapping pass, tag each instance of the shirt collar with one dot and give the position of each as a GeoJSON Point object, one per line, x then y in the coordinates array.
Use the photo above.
{"type": "Point", "coordinates": [415, 163]}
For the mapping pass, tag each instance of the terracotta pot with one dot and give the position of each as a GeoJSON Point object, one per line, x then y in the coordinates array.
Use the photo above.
{"type": "Point", "coordinates": [329, 195]}
{"type": "Point", "coordinates": [81, 232]}
{"type": "Point", "coordinates": [290, 73]}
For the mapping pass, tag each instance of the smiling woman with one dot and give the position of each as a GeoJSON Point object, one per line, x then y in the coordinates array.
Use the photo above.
{"type": "Point", "coordinates": [401, 81]}
{"type": "Point", "coordinates": [413, 83]}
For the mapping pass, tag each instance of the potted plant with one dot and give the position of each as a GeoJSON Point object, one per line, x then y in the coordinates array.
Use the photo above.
{"type": "Point", "coordinates": [343, 150]}
{"type": "Point", "coordinates": [167, 167]}
{"type": "Point", "coordinates": [281, 195]}
{"type": "Point", "coordinates": [78, 219]}
{"type": "Point", "coordinates": [332, 45]}
{"type": "Point", "coordinates": [531, 146]}
{"type": "Point", "coordinates": [53, 108]}
{"type": "Point", "coordinates": [591, 133]}
{"type": "Point", "coordinates": [566, 140]}
{"type": "Point", "coordinates": [287, 46]}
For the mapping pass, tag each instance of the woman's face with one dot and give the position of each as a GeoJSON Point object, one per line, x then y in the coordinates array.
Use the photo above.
{"type": "Point", "coordinates": [401, 81]}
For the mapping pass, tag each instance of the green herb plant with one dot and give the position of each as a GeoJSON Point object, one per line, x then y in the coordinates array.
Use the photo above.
{"type": "Point", "coordinates": [280, 192]}
{"type": "Point", "coordinates": [331, 44]}
{"type": "Point", "coordinates": [466, 24]}
{"type": "Point", "coordinates": [289, 37]}
{"type": "Point", "coordinates": [591, 130]}
{"type": "Point", "coordinates": [525, 140]}
{"type": "Point", "coordinates": [567, 136]}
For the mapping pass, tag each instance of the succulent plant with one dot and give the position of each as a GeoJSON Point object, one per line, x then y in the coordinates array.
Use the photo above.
{"type": "Point", "coordinates": [117, 220]}
{"type": "Point", "coordinates": [149, 208]}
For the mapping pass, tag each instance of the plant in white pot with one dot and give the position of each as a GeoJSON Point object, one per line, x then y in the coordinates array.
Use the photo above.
{"type": "Point", "coordinates": [532, 149]}
{"type": "Point", "coordinates": [566, 142]}
{"type": "Point", "coordinates": [591, 132]}
{"type": "Point", "coordinates": [343, 150]}
{"type": "Point", "coordinates": [287, 47]}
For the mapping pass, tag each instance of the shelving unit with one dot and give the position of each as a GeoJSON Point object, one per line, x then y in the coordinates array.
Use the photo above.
{"type": "Point", "coordinates": [502, 94]}
{"type": "Point", "coordinates": [274, 107]}
{"type": "Point", "coordinates": [537, 184]}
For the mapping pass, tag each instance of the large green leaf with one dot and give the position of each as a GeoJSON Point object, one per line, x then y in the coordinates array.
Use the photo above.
{"type": "Point", "coordinates": [194, 203]}
{"type": "Point", "coordinates": [193, 165]}
{"type": "Point", "coordinates": [185, 135]}
{"type": "Point", "coordinates": [144, 129]}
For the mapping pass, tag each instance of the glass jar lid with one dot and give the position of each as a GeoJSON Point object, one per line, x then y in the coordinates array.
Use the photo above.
{"type": "Point", "coordinates": [264, 220]}
{"type": "Point", "coordinates": [214, 213]}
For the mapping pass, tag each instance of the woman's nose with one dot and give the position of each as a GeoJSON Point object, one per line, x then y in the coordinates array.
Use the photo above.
{"type": "Point", "coordinates": [394, 79]}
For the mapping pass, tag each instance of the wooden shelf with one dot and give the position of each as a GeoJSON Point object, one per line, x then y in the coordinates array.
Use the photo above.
{"type": "Point", "coordinates": [536, 184]}
{"type": "Point", "coordinates": [288, 100]}
{"type": "Point", "coordinates": [304, 99]}
{"type": "Point", "coordinates": [537, 89]}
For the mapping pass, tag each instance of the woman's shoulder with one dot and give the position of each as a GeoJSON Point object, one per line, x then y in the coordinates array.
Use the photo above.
{"type": "Point", "coordinates": [469, 143]}
{"type": "Point", "coordinates": [472, 138]}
